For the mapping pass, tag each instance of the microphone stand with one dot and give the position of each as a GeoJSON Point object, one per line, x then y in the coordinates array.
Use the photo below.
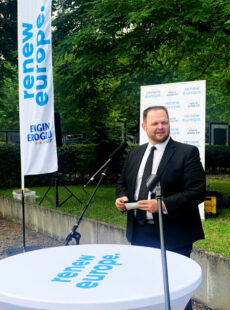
{"type": "Point", "coordinates": [99, 170]}
{"type": "Point", "coordinates": [103, 168]}
{"type": "Point", "coordinates": [163, 252]}
{"type": "Point", "coordinates": [74, 234]}
{"type": "Point", "coordinates": [115, 153]}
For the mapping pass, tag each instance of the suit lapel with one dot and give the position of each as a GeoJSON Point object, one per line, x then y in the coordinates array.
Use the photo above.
{"type": "Point", "coordinates": [169, 151]}
{"type": "Point", "coordinates": [138, 158]}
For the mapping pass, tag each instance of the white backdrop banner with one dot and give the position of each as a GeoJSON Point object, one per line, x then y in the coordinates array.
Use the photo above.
{"type": "Point", "coordinates": [36, 99]}
{"type": "Point", "coordinates": [186, 104]}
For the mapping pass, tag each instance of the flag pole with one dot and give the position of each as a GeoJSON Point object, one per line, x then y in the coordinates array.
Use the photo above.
{"type": "Point", "coordinates": [21, 134]}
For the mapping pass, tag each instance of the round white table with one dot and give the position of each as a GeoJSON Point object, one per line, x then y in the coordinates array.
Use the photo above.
{"type": "Point", "coordinates": [95, 277]}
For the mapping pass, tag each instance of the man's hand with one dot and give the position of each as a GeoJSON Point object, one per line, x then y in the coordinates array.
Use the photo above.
{"type": "Point", "coordinates": [120, 203]}
{"type": "Point", "coordinates": [150, 206]}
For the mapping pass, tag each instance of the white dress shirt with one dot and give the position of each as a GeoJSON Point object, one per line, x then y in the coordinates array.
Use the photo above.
{"type": "Point", "coordinates": [157, 155]}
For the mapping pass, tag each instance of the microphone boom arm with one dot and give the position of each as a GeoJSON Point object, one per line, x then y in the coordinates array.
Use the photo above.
{"type": "Point", "coordinates": [98, 171]}
{"type": "Point", "coordinates": [114, 154]}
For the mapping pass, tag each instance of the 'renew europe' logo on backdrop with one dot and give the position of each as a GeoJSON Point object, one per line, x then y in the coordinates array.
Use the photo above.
{"type": "Point", "coordinates": [40, 133]}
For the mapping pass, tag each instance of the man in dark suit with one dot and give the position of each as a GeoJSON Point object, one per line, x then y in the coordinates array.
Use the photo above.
{"type": "Point", "coordinates": [183, 185]}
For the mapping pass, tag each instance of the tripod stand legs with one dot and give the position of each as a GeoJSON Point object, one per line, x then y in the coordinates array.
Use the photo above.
{"type": "Point", "coordinates": [54, 182]}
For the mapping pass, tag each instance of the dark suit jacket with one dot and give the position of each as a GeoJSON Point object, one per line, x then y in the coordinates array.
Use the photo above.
{"type": "Point", "coordinates": [182, 180]}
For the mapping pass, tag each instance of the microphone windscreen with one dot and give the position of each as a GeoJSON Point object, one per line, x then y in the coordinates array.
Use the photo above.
{"type": "Point", "coordinates": [119, 150]}
{"type": "Point", "coordinates": [152, 182]}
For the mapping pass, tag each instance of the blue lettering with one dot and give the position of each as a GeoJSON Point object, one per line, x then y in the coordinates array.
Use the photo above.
{"type": "Point", "coordinates": [103, 267]}
{"type": "Point", "coordinates": [41, 38]}
{"type": "Point", "coordinates": [87, 284]}
{"type": "Point", "coordinates": [28, 81]}
{"type": "Point", "coordinates": [41, 55]}
{"type": "Point", "coordinates": [67, 275]}
{"type": "Point", "coordinates": [27, 95]}
{"type": "Point", "coordinates": [78, 265]}
{"type": "Point", "coordinates": [86, 257]}
{"type": "Point", "coordinates": [29, 138]}
{"type": "Point", "coordinates": [40, 69]}
{"type": "Point", "coordinates": [42, 78]}
{"type": "Point", "coordinates": [27, 69]}
{"type": "Point", "coordinates": [28, 50]}
{"type": "Point", "coordinates": [108, 262]}
{"type": "Point", "coordinates": [39, 127]}
{"type": "Point", "coordinates": [98, 272]}
{"type": "Point", "coordinates": [45, 133]}
{"type": "Point", "coordinates": [41, 18]}
{"type": "Point", "coordinates": [43, 136]}
{"type": "Point", "coordinates": [94, 277]}
{"type": "Point", "coordinates": [32, 128]}
{"type": "Point", "coordinates": [41, 98]}
{"type": "Point", "coordinates": [28, 35]}
{"type": "Point", "coordinates": [72, 269]}
{"type": "Point", "coordinates": [60, 280]}
{"type": "Point", "coordinates": [111, 256]}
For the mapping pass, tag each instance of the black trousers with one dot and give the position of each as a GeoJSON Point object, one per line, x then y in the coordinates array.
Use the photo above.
{"type": "Point", "coordinates": [144, 235]}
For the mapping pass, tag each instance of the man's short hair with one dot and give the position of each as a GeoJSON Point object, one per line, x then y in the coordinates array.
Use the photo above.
{"type": "Point", "coordinates": [155, 107]}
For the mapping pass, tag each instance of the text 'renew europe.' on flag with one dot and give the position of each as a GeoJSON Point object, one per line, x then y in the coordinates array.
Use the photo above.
{"type": "Point", "coordinates": [36, 98]}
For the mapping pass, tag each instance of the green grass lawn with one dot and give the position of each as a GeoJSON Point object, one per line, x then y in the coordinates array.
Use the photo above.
{"type": "Point", "coordinates": [217, 229]}
{"type": "Point", "coordinates": [102, 208]}
{"type": "Point", "coordinates": [222, 186]}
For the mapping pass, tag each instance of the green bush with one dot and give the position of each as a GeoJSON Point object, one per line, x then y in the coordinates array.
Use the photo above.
{"type": "Point", "coordinates": [78, 162]}
{"type": "Point", "coordinates": [217, 159]}
{"type": "Point", "coordinates": [10, 165]}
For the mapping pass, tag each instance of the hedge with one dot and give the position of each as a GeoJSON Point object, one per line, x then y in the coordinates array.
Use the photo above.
{"type": "Point", "coordinates": [78, 162]}
{"type": "Point", "coordinates": [217, 159]}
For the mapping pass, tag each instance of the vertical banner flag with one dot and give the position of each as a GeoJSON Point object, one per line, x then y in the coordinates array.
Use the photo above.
{"type": "Point", "coordinates": [36, 98]}
{"type": "Point", "coordinates": [186, 104]}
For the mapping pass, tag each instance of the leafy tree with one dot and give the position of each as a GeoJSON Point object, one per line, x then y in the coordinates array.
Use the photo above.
{"type": "Point", "coordinates": [9, 108]}
{"type": "Point", "coordinates": [8, 36]}
{"type": "Point", "coordinates": [104, 50]}
{"type": "Point", "coordinates": [112, 47]}
{"type": "Point", "coordinates": [8, 59]}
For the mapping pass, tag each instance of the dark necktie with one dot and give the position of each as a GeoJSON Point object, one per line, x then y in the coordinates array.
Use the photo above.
{"type": "Point", "coordinates": [143, 193]}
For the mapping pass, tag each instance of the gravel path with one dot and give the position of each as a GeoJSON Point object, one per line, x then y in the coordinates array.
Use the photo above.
{"type": "Point", "coordinates": [11, 243]}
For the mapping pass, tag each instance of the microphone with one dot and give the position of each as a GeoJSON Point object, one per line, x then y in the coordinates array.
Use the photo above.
{"type": "Point", "coordinates": [118, 151]}
{"type": "Point", "coordinates": [152, 182]}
